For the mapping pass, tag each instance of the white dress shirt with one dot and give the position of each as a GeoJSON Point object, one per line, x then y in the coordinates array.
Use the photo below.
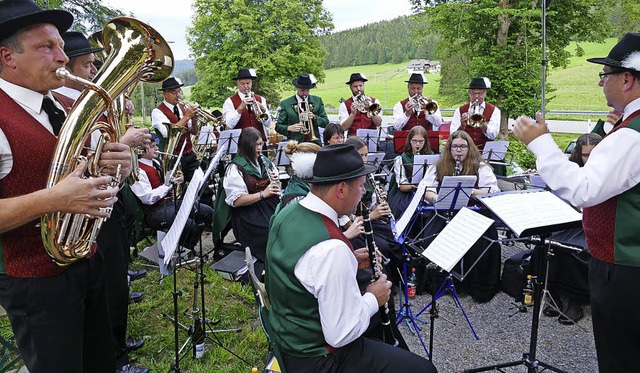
{"type": "Point", "coordinates": [328, 271]}
{"type": "Point", "coordinates": [486, 179]}
{"type": "Point", "coordinates": [234, 185]}
{"type": "Point", "coordinates": [143, 189]}
{"type": "Point", "coordinates": [400, 119]}
{"type": "Point", "coordinates": [612, 169]}
{"type": "Point", "coordinates": [231, 115]}
{"type": "Point", "coordinates": [493, 126]}
{"type": "Point", "coordinates": [31, 102]}
{"type": "Point", "coordinates": [158, 118]}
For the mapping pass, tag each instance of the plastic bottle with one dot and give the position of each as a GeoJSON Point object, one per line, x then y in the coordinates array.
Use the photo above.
{"type": "Point", "coordinates": [528, 291]}
{"type": "Point", "coordinates": [411, 283]}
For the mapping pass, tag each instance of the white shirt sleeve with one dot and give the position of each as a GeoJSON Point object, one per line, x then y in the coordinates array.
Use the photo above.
{"type": "Point", "coordinates": [157, 120]}
{"type": "Point", "coordinates": [435, 118]}
{"type": "Point", "coordinates": [143, 190]}
{"type": "Point", "coordinates": [233, 184]}
{"type": "Point", "coordinates": [399, 118]}
{"type": "Point", "coordinates": [328, 271]}
{"type": "Point", "coordinates": [230, 114]}
{"type": "Point", "coordinates": [455, 121]}
{"type": "Point", "coordinates": [398, 169]}
{"type": "Point", "coordinates": [612, 169]}
{"type": "Point", "coordinates": [430, 179]}
{"type": "Point", "coordinates": [6, 158]}
{"type": "Point", "coordinates": [493, 126]}
{"type": "Point", "coordinates": [343, 114]}
{"type": "Point", "coordinates": [487, 179]}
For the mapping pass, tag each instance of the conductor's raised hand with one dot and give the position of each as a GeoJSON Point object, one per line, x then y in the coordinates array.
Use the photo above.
{"type": "Point", "coordinates": [77, 195]}
{"type": "Point", "coordinates": [381, 289]}
{"type": "Point", "coordinates": [527, 130]}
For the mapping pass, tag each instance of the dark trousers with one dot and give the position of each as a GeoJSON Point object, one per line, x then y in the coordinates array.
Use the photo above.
{"type": "Point", "coordinates": [189, 164]}
{"type": "Point", "coordinates": [61, 322]}
{"type": "Point", "coordinates": [361, 355]}
{"type": "Point", "coordinates": [615, 301]}
{"type": "Point", "coordinates": [162, 216]}
{"type": "Point", "coordinates": [113, 244]}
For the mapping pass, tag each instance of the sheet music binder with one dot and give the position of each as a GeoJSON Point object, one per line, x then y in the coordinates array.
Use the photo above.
{"type": "Point", "coordinates": [532, 212]}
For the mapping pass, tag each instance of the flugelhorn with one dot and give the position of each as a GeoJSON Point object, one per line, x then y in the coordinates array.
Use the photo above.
{"type": "Point", "coordinates": [421, 103]}
{"type": "Point", "coordinates": [134, 52]}
{"type": "Point", "coordinates": [475, 116]}
{"type": "Point", "coordinates": [366, 106]}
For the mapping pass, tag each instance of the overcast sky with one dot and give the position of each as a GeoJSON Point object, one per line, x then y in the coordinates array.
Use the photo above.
{"type": "Point", "coordinates": [171, 20]}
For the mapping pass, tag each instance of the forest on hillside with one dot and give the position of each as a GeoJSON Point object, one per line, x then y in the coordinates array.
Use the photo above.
{"type": "Point", "coordinates": [377, 43]}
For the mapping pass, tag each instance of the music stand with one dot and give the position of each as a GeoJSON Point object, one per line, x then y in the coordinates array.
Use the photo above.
{"type": "Point", "coordinates": [229, 139]}
{"type": "Point", "coordinates": [420, 164]}
{"type": "Point", "coordinates": [527, 213]}
{"type": "Point", "coordinates": [282, 159]}
{"type": "Point", "coordinates": [372, 138]}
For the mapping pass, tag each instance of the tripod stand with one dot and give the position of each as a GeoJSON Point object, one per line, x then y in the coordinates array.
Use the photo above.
{"type": "Point", "coordinates": [529, 359]}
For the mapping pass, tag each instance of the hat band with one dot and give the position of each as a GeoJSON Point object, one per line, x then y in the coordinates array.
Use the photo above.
{"type": "Point", "coordinates": [348, 175]}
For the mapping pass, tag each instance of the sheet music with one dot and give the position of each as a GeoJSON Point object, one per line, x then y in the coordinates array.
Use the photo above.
{"type": "Point", "coordinates": [375, 158]}
{"type": "Point", "coordinates": [206, 136]}
{"type": "Point", "coordinates": [408, 213]}
{"type": "Point", "coordinates": [370, 137]}
{"type": "Point", "coordinates": [454, 192]}
{"type": "Point", "coordinates": [420, 164]}
{"type": "Point", "coordinates": [456, 238]}
{"type": "Point", "coordinates": [530, 209]}
{"type": "Point", "coordinates": [170, 241]}
{"type": "Point", "coordinates": [282, 159]}
{"type": "Point", "coordinates": [229, 139]}
{"type": "Point", "coordinates": [495, 150]}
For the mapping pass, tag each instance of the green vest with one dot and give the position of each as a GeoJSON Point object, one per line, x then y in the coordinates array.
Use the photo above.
{"type": "Point", "coordinates": [294, 314]}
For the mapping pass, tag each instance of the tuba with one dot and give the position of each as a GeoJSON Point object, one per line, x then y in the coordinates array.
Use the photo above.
{"type": "Point", "coordinates": [135, 52]}
{"type": "Point", "coordinates": [475, 116]}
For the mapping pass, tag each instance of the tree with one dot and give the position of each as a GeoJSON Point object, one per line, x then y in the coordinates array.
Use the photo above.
{"type": "Point", "coordinates": [88, 15]}
{"type": "Point", "coordinates": [278, 38]}
{"type": "Point", "coordinates": [502, 40]}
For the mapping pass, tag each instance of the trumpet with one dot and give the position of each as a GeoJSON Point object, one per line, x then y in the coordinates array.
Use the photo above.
{"type": "Point", "coordinates": [475, 116]}
{"type": "Point", "coordinates": [366, 106]}
{"type": "Point", "coordinates": [303, 115]}
{"type": "Point", "coordinates": [203, 117]}
{"type": "Point", "coordinates": [255, 107]}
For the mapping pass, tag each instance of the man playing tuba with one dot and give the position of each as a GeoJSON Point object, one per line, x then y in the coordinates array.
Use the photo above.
{"type": "Point", "coordinates": [416, 110]}
{"type": "Point", "coordinates": [487, 125]}
{"type": "Point", "coordinates": [301, 115]}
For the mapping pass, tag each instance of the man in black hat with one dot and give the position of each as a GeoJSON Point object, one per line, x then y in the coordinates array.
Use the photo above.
{"type": "Point", "coordinates": [113, 237]}
{"type": "Point", "coordinates": [172, 112]}
{"type": "Point", "coordinates": [607, 189]}
{"type": "Point", "coordinates": [239, 110]}
{"type": "Point", "coordinates": [297, 111]}
{"type": "Point", "coordinates": [488, 127]}
{"type": "Point", "coordinates": [318, 314]}
{"type": "Point", "coordinates": [58, 313]}
{"type": "Point", "coordinates": [406, 114]}
{"type": "Point", "coordinates": [353, 113]}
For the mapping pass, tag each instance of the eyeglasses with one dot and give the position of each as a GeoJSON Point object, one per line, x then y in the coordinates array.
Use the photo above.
{"type": "Point", "coordinates": [417, 142]}
{"type": "Point", "coordinates": [459, 147]}
{"type": "Point", "coordinates": [603, 76]}
{"type": "Point", "coordinates": [175, 93]}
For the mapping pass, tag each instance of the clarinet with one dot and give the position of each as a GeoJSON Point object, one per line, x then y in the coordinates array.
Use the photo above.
{"type": "Point", "coordinates": [456, 168]}
{"type": "Point", "coordinates": [387, 332]}
{"type": "Point", "coordinates": [272, 172]}
{"type": "Point", "coordinates": [378, 192]}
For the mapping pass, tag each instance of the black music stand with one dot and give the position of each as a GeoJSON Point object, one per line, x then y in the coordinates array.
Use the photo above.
{"type": "Point", "coordinates": [548, 214]}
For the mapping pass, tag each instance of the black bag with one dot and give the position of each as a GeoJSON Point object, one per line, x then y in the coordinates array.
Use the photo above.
{"type": "Point", "coordinates": [514, 274]}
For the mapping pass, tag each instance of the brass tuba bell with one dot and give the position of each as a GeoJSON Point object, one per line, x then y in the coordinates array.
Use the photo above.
{"type": "Point", "coordinates": [135, 52]}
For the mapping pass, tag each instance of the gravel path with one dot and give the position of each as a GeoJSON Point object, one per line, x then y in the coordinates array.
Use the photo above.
{"type": "Point", "coordinates": [503, 332]}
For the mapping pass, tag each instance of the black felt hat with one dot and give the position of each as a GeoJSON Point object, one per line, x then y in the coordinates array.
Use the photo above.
{"type": "Point", "coordinates": [480, 83]}
{"type": "Point", "coordinates": [624, 55]}
{"type": "Point", "coordinates": [305, 81]}
{"type": "Point", "coordinates": [17, 14]}
{"type": "Point", "coordinates": [416, 78]}
{"type": "Point", "coordinates": [76, 44]}
{"type": "Point", "coordinates": [338, 162]}
{"type": "Point", "coordinates": [246, 74]}
{"type": "Point", "coordinates": [171, 83]}
{"type": "Point", "coordinates": [357, 76]}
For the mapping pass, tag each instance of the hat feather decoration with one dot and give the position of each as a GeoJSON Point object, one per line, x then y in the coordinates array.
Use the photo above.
{"type": "Point", "coordinates": [302, 164]}
{"type": "Point", "coordinates": [632, 62]}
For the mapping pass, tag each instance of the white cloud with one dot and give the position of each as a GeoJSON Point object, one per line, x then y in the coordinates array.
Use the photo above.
{"type": "Point", "coordinates": [172, 17]}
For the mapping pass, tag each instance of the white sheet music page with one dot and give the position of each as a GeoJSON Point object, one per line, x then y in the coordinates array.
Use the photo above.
{"type": "Point", "coordinates": [454, 192]}
{"type": "Point", "coordinates": [229, 139]}
{"type": "Point", "coordinates": [420, 164]}
{"type": "Point", "coordinates": [370, 137]}
{"type": "Point", "coordinates": [456, 238]}
{"type": "Point", "coordinates": [530, 209]}
{"type": "Point", "coordinates": [404, 220]}
{"type": "Point", "coordinates": [170, 241]}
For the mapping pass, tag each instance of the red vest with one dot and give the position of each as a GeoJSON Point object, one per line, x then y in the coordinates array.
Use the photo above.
{"type": "Point", "coordinates": [153, 176]}
{"type": "Point", "coordinates": [248, 118]}
{"type": "Point", "coordinates": [186, 136]}
{"type": "Point", "coordinates": [360, 120]}
{"type": "Point", "coordinates": [32, 146]}
{"type": "Point", "coordinates": [414, 120]}
{"type": "Point", "coordinates": [479, 138]}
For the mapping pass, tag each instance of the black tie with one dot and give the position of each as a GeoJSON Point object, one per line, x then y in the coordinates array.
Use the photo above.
{"type": "Point", "coordinates": [176, 112]}
{"type": "Point", "coordinates": [56, 116]}
{"type": "Point", "coordinates": [158, 168]}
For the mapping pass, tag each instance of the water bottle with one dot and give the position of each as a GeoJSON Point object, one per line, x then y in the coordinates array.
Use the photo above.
{"type": "Point", "coordinates": [411, 283]}
{"type": "Point", "coordinates": [528, 291]}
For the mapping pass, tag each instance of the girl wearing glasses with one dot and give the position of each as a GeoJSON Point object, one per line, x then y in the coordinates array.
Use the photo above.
{"type": "Point", "coordinates": [400, 190]}
{"type": "Point", "coordinates": [251, 194]}
{"type": "Point", "coordinates": [483, 281]}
